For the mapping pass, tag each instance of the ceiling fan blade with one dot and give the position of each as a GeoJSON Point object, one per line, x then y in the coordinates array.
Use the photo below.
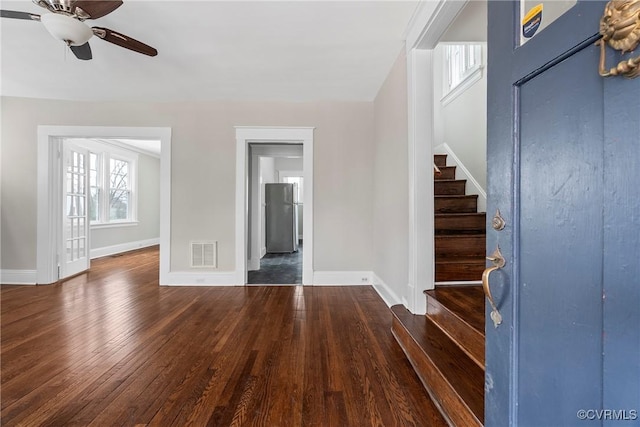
{"type": "Point", "coordinates": [82, 52]}
{"type": "Point", "coordinates": [124, 41]}
{"type": "Point", "coordinates": [19, 15]}
{"type": "Point", "coordinates": [95, 9]}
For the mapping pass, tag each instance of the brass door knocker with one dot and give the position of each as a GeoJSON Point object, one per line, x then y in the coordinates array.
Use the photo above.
{"type": "Point", "coordinates": [620, 29]}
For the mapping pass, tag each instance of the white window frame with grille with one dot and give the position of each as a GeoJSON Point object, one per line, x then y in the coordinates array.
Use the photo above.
{"type": "Point", "coordinates": [463, 65]}
{"type": "Point", "coordinates": [105, 153]}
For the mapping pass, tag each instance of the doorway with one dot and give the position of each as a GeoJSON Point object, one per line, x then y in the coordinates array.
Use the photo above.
{"type": "Point", "coordinates": [110, 199]}
{"type": "Point", "coordinates": [50, 235]}
{"type": "Point", "coordinates": [276, 212]}
{"type": "Point", "coordinates": [259, 137]}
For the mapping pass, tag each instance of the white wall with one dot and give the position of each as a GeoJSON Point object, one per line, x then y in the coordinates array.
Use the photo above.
{"type": "Point", "coordinates": [462, 124]}
{"type": "Point", "coordinates": [148, 226]}
{"type": "Point", "coordinates": [203, 171]}
{"type": "Point", "coordinates": [288, 164]}
{"type": "Point", "coordinates": [390, 183]}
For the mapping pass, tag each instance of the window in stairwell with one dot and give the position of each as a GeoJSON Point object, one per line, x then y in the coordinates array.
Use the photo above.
{"type": "Point", "coordinates": [462, 68]}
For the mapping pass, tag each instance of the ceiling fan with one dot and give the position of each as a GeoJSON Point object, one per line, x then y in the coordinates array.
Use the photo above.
{"type": "Point", "coordinates": [66, 23]}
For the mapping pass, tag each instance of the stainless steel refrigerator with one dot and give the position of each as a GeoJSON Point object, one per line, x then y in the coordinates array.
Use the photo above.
{"type": "Point", "coordinates": [281, 218]}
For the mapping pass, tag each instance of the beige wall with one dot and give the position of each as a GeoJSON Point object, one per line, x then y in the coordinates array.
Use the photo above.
{"type": "Point", "coordinates": [148, 226]}
{"type": "Point", "coordinates": [203, 171]}
{"type": "Point", "coordinates": [391, 180]}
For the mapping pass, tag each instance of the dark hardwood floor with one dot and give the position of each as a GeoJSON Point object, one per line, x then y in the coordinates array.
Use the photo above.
{"type": "Point", "coordinates": [111, 347]}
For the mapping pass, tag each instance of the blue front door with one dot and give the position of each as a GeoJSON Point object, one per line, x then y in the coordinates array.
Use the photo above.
{"type": "Point", "coordinates": [564, 170]}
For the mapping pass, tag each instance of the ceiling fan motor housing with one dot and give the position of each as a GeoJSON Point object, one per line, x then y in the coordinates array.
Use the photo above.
{"type": "Point", "coordinates": [55, 5]}
{"type": "Point", "coordinates": [66, 28]}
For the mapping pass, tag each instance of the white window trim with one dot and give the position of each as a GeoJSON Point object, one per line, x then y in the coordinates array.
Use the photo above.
{"type": "Point", "coordinates": [288, 173]}
{"type": "Point", "coordinates": [132, 159]}
{"type": "Point", "coordinates": [471, 76]}
{"type": "Point", "coordinates": [106, 152]}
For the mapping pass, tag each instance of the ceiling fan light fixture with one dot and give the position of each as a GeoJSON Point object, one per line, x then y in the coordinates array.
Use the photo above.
{"type": "Point", "coordinates": [66, 28]}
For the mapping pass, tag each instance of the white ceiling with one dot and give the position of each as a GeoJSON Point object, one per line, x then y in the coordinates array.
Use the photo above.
{"type": "Point", "coordinates": [213, 50]}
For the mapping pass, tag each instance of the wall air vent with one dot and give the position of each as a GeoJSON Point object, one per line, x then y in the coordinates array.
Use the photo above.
{"type": "Point", "coordinates": [204, 254]}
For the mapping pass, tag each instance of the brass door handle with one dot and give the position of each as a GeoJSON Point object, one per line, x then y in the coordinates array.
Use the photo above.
{"type": "Point", "coordinates": [498, 262]}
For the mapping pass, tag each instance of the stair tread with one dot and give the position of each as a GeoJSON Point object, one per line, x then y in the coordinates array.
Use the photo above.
{"type": "Point", "coordinates": [466, 302]}
{"type": "Point", "coordinates": [460, 236]}
{"type": "Point", "coordinates": [464, 259]}
{"type": "Point", "coordinates": [458, 272]}
{"type": "Point", "coordinates": [460, 214]}
{"type": "Point", "coordinates": [459, 370]}
{"type": "Point", "coordinates": [456, 196]}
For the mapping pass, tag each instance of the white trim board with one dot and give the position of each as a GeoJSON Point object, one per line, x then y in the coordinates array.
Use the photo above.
{"type": "Point", "coordinates": [48, 219]}
{"type": "Point", "coordinates": [246, 135]}
{"type": "Point", "coordinates": [228, 278]}
{"type": "Point", "coordinates": [201, 278]}
{"type": "Point", "coordinates": [123, 247]}
{"type": "Point", "coordinates": [388, 296]}
{"type": "Point", "coordinates": [18, 277]}
{"type": "Point", "coordinates": [427, 25]}
{"type": "Point", "coordinates": [342, 278]}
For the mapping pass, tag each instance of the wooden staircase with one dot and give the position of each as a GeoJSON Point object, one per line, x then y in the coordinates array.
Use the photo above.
{"type": "Point", "coordinates": [460, 233]}
{"type": "Point", "coordinates": [446, 346]}
{"type": "Point", "coordinates": [446, 349]}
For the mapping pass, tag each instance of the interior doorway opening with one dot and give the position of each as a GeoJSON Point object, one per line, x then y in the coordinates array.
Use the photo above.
{"type": "Point", "coordinates": [110, 199]}
{"type": "Point", "coordinates": [260, 137]}
{"type": "Point", "coordinates": [459, 148]}
{"type": "Point", "coordinates": [64, 194]}
{"type": "Point", "coordinates": [276, 211]}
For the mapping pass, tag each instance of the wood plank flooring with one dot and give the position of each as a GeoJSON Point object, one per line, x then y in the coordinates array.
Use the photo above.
{"type": "Point", "coordinates": [111, 347]}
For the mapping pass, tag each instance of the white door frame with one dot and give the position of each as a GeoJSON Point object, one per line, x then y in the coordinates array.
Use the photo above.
{"type": "Point", "coordinates": [246, 135]}
{"type": "Point", "coordinates": [49, 204]}
{"type": "Point", "coordinates": [431, 20]}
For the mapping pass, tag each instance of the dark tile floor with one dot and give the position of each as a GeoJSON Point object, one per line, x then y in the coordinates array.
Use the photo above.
{"type": "Point", "coordinates": [278, 269]}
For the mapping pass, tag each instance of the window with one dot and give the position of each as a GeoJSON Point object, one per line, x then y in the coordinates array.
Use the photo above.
{"type": "Point", "coordinates": [463, 66]}
{"type": "Point", "coordinates": [119, 190]}
{"type": "Point", "coordinates": [295, 180]}
{"type": "Point", "coordinates": [111, 185]}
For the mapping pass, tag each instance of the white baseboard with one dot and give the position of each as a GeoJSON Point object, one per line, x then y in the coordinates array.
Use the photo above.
{"type": "Point", "coordinates": [385, 292]}
{"type": "Point", "coordinates": [18, 277]}
{"type": "Point", "coordinates": [341, 278]}
{"type": "Point", "coordinates": [253, 264]}
{"type": "Point", "coordinates": [123, 247]}
{"type": "Point", "coordinates": [201, 278]}
{"type": "Point", "coordinates": [263, 252]}
{"type": "Point", "coordinates": [474, 186]}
